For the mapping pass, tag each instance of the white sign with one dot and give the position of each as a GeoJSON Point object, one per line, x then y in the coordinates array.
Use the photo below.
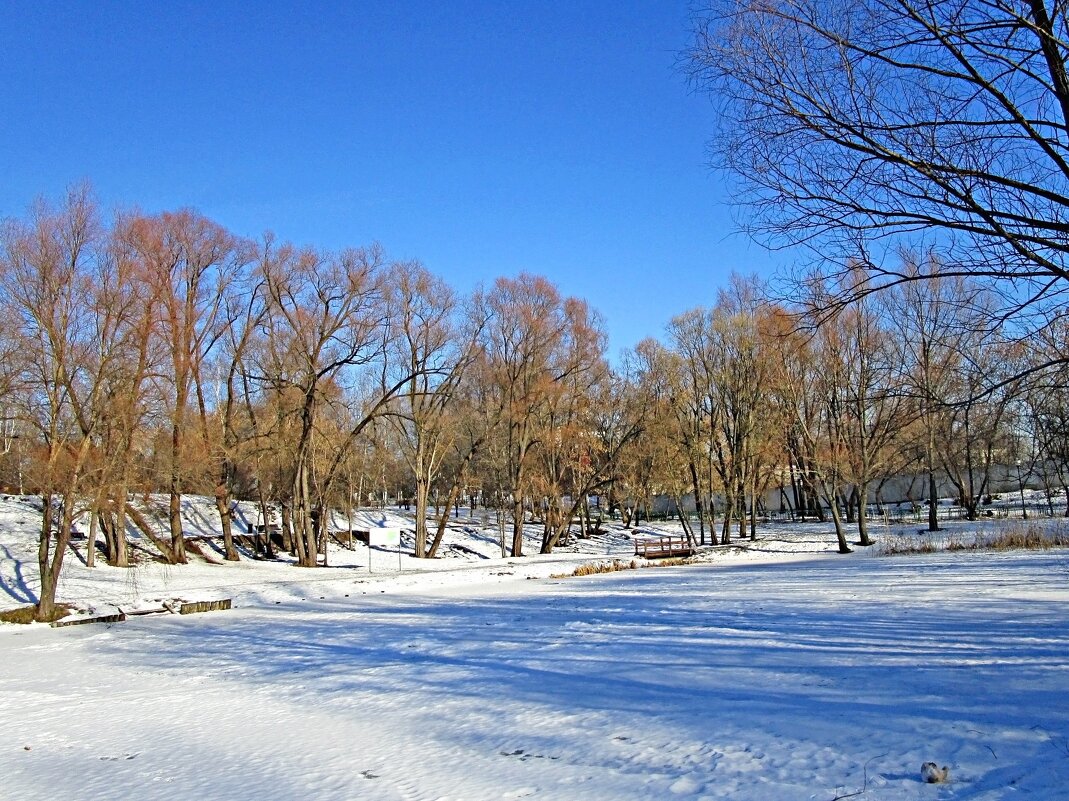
{"type": "Point", "coordinates": [386, 537]}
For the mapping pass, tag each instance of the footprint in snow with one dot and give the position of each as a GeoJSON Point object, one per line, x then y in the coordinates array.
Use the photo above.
{"type": "Point", "coordinates": [524, 756]}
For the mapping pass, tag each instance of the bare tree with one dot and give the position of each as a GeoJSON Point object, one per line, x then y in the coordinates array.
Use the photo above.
{"type": "Point", "coordinates": [325, 315]}
{"type": "Point", "coordinates": [655, 461]}
{"type": "Point", "coordinates": [126, 310]}
{"type": "Point", "coordinates": [687, 369]}
{"type": "Point", "coordinates": [433, 350]}
{"type": "Point", "coordinates": [724, 403]}
{"type": "Point", "coordinates": [741, 386]}
{"type": "Point", "coordinates": [934, 329]}
{"type": "Point", "coordinates": [1045, 416]}
{"type": "Point", "coordinates": [862, 127]}
{"type": "Point", "coordinates": [13, 425]}
{"type": "Point", "coordinates": [47, 270]}
{"type": "Point", "coordinates": [472, 420]}
{"type": "Point", "coordinates": [528, 344]}
{"type": "Point", "coordinates": [591, 448]}
{"type": "Point", "coordinates": [862, 361]}
{"type": "Point", "coordinates": [221, 430]}
{"type": "Point", "coordinates": [976, 423]}
{"type": "Point", "coordinates": [192, 263]}
{"type": "Point", "coordinates": [588, 423]}
{"type": "Point", "coordinates": [664, 459]}
{"type": "Point", "coordinates": [807, 390]}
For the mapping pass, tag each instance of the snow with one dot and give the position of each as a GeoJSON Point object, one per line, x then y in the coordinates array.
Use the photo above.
{"type": "Point", "coordinates": [780, 672]}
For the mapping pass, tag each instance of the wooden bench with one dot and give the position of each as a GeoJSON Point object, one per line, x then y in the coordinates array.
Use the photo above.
{"type": "Point", "coordinates": [662, 547]}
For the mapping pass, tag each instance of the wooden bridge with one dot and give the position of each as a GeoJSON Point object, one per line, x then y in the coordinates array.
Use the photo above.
{"type": "Point", "coordinates": [663, 547]}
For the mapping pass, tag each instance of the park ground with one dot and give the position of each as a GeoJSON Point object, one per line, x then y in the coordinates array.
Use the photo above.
{"type": "Point", "coordinates": [779, 671]}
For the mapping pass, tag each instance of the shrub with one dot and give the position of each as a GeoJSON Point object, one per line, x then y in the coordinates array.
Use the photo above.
{"type": "Point", "coordinates": [616, 565]}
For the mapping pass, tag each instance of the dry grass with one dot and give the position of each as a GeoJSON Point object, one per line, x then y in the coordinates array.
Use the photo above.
{"type": "Point", "coordinates": [25, 614]}
{"type": "Point", "coordinates": [1026, 537]}
{"type": "Point", "coordinates": [21, 614]}
{"type": "Point", "coordinates": [616, 565]}
{"type": "Point", "coordinates": [594, 568]}
{"type": "Point", "coordinates": [906, 546]}
{"type": "Point", "coordinates": [676, 562]}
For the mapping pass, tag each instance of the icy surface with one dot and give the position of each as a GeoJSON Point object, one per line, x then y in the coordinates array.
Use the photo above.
{"type": "Point", "coordinates": [768, 675]}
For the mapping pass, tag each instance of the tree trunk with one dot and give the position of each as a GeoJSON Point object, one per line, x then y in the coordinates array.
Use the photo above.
{"type": "Point", "coordinates": [91, 543]}
{"type": "Point", "coordinates": [443, 519]}
{"type": "Point", "coordinates": [697, 499]}
{"type": "Point", "coordinates": [145, 527]}
{"type": "Point", "coordinates": [729, 516]}
{"type": "Point", "coordinates": [419, 549]}
{"type": "Point", "coordinates": [47, 598]}
{"type": "Point", "coordinates": [933, 502]}
{"type": "Point", "coordinates": [517, 524]}
{"type": "Point", "coordinates": [304, 534]}
{"type": "Point", "coordinates": [174, 516]}
{"type": "Point", "coordinates": [851, 504]}
{"type": "Point", "coordinates": [742, 510]}
{"type": "Point", "coordinates": [321, 530]}
{"type": "Point", "coordinates": [755, 504]}
{"type": "Point", "coordinates": [840, 536]}
{"type": "Point", "coordinates": [688, 529]}
{"type": "Point", "coordinates": [51, 564]}
{"type": "Point", "coordinates": [289, 536]}
{"type": "Point", "coordinates": [178, 545]}
{"type": "Point", "coordinates": [222, 505]}
{"type": "Point", "coordinates": [118, 550]}
{"type": "Point", "coordinates": [862, 518]}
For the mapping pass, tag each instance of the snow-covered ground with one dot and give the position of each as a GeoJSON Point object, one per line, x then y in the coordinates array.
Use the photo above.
{"type": "Point", "coordinates": [470, 552]}
{"type": "Point", "coordinates": [781, 672]}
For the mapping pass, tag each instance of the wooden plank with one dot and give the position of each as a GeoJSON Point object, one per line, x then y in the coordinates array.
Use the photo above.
{"type": "Point", "coordinates": [203, 606]}
{"type": "Point", "coordinates": [81, 621]}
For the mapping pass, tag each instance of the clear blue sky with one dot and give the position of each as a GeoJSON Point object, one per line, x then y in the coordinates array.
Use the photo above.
{"type": "Point", "coordinates": [482, 138]}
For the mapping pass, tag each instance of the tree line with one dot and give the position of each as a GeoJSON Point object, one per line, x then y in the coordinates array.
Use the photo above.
{"type": "Point", "coordinates": [917, 148]}
{"type": "Point", "coordinates": [161, 353]}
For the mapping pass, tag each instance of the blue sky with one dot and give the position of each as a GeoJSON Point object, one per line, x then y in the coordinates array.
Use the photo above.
{"type": "Point", "coordinates": [482, 138]}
